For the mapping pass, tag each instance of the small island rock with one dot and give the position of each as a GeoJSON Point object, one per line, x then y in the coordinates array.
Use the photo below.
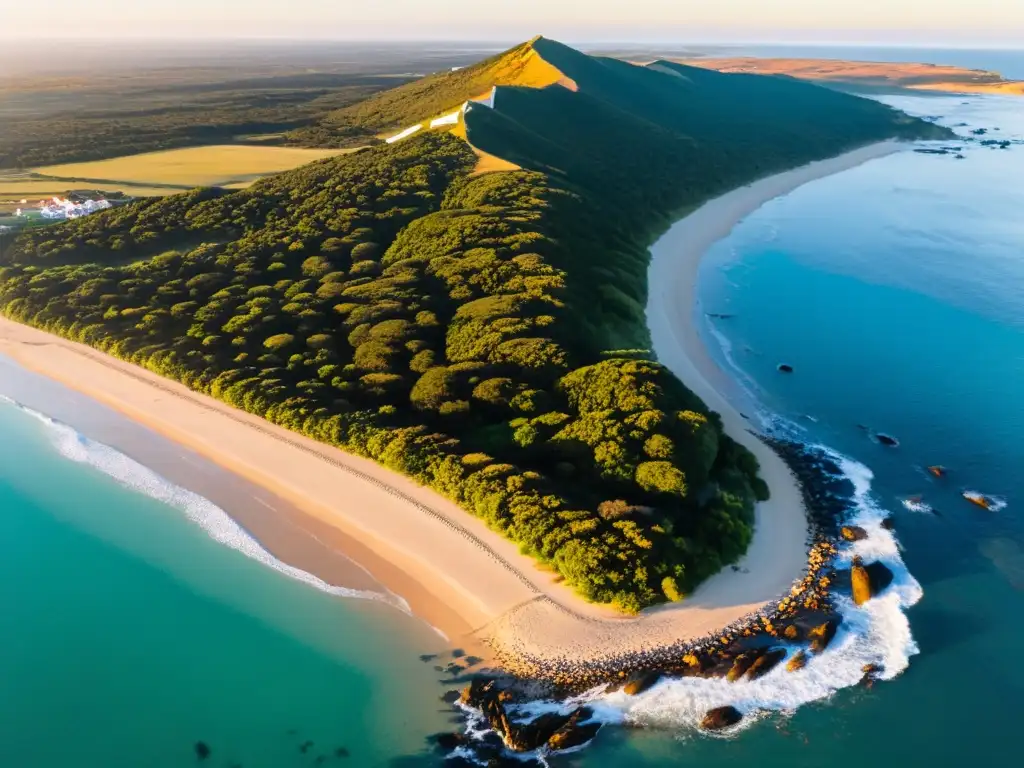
{"type": "Point", "coordinates": [721, 717]}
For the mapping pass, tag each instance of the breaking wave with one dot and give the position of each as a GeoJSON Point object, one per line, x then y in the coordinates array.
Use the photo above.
{"type": "Point", "coordinates": [220, 527]}
{"type": "Point", "coordinates": [877, 633]}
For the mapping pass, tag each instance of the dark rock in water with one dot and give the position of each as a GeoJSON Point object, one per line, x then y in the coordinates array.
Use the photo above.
{"type": "Point", "coordinates": [428, 657]}
{"type": "Point", "coordinates": [785, 368]}
{"type": "Point", "coordinates": [766, 663]}
{"type": "Point", "coordinates": [341, 752]}
{"type": "Point", "coordinates": [443, 741]}
{"type": "Point", "coordinates": [799, 661]}
{"type": "Point", "coordinates": [870, 674]}
{"type": "Point", "coordinates": [853, 533]}
{"type": "Point", "coordinates": [458, 653]}
{"type": "Point", "coordinates": [641, 683]}
{"type": "Point", "coordinates": [320, 759]}
{"type": "Point", "coordinates": [888, 524]}
{"type": "Point", "coordinates": [533, 735]}
{"type": "Point", "coordinates": [450, 697]}
{"type": "Point", "coordinates": [572, 734]}
{"type": "Point", "coordinates": [879, 577]}
{"type": "Point", "coordinates": [823, 634]}
{"type": "Point", "coordinates": [305, 746]}
{"type": "Point", "coordinates": [720, 717]}
{"type": "Point", "coordinates": [885, 439]}
{"type": "Point", "coordinates": [454, 669]}
{"type": "Point", "coordinates": [472, 661]}
{"type": "Point", "coordinates": [438, 668]}
{"type": "Point", "coordinates": [202, 750]}
{"type": "Point", "coordinates": [740, 666]}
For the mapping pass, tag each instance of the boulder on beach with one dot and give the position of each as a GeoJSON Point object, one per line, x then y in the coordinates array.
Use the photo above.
{"type": "Point", "coordinates": [641, 683]}
{"type": "Point", "coordinates": [853, 533]}
{"type": "Point", "coordinates": [799, 661]}
{"type": "Point", "coordinates": [721, 717]}
{"type": "Point", "coordinates": [766, 663]}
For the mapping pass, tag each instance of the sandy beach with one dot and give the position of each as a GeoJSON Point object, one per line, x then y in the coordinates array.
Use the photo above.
{"type": "Point", "coordinates": [454, 572]}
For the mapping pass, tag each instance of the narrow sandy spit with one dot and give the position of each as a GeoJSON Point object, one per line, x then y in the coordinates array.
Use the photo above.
{"type": "Point", "coordinates": [465, 579]}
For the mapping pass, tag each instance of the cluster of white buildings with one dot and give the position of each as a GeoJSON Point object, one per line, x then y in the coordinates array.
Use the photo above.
{"type": "Point", "coordinates": [62, 208]}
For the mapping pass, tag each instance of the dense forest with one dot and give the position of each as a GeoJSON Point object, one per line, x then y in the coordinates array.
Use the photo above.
{"type": "Point", "coordinates": [483, 334]}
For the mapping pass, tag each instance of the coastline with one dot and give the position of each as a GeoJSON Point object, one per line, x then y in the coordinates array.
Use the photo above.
{"type": "Point", "coordinates": [461, 577]}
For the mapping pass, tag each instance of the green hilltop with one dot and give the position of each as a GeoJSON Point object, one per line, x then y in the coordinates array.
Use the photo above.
{"type": "Point", "coordinates": [481, 333]}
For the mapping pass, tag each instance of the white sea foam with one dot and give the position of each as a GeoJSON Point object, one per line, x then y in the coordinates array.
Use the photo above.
{"type": "Point", "coordinates": [877, 633]}
{"type": "Point", "coordinates": [216, 522]}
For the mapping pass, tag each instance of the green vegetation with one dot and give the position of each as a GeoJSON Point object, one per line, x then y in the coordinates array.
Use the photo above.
{"type": "Point", "coordinates": [459, 328]}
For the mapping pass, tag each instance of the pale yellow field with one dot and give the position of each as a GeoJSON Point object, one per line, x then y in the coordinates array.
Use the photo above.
{"type": "Point", "coordinates": [212, 166]}
{"type": "Point", "coordinates": [35, 190]}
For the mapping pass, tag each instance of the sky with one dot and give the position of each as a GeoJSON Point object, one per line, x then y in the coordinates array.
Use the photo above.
{"type": "Point", "coordinates": [914, 22]}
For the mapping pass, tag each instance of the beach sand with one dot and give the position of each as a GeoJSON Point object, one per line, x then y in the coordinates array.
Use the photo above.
{"type": "Point", "coordinates": [464, 579]}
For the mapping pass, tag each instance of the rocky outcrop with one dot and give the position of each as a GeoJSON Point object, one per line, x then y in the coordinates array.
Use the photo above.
{"type": "Point", "coordinates": [741, 665]}
{"type": "Point", "coordinates": [798, 662]}
{"type": "Point", "coordinates": [879, 577]}
{"type": "Point", "coordinates": [868, 581]}
{"type": "Point", "coordinates": [853, 533]}
{"type": "Point", "coordinates": [573, 734]}
{"type": "Point", "coordinates": [860, 582]}
{"type": "Point", "coordinates": [822, 635]}
{"type": "Point", "coordinates": [766, 663]}
{"type": "Point", "coordinates": [641, 683]}
{"type": "Point", "coordinates": [721, 717]}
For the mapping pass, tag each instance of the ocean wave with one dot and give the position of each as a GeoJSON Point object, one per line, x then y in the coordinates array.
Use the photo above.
{"type": "Point", "coordinates": [877, 633]}
{"type": "Point", "coordinates": [220, 527]}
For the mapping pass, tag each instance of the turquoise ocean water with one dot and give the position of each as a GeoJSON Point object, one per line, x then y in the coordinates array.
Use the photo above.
{"type": "Point", "coordinates": [128, 631]}
{"type": "Point", "coordinates": [896, 290]}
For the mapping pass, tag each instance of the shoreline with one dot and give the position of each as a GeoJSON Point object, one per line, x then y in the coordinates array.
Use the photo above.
{"type": "Point", "coordinates": [455, 573]}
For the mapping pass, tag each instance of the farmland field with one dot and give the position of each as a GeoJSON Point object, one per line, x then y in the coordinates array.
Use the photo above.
{"type": "Point", "coordinates": [219, 165]}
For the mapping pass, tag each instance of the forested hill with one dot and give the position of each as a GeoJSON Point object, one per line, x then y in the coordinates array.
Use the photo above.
{"type": "Point", "coordinates": [483, 333]}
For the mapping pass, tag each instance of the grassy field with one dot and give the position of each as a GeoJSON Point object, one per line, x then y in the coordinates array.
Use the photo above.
{"type": "Point", "coordinates": [220, 165]}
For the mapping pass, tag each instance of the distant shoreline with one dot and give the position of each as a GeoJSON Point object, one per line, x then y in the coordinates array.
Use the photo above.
{"type": "Point", "coordinates": [458, 575]}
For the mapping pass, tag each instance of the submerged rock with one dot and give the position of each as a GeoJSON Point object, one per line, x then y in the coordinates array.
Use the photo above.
{"type": "Point", "coordinates": [885, 439]}
{"type": "Point", "coordinates": [785, 368]}
{"type": "Point", "coordinates": [853, 533]}
{"type": "Point", "coordinates": [798, 662]}
{"type": "Point", "coordinates": [888, 524]}
{"type": "Point", "coordinates": [202, 750]}
{"type": "Point", "coordinates": [721, 717]}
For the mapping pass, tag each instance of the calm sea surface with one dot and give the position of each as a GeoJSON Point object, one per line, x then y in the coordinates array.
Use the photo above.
{"type": "Point", "coordinates": [896, 290]}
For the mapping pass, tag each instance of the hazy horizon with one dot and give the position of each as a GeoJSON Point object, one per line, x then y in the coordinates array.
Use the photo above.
{"type": "Point", "coordinates": [898, 23]}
